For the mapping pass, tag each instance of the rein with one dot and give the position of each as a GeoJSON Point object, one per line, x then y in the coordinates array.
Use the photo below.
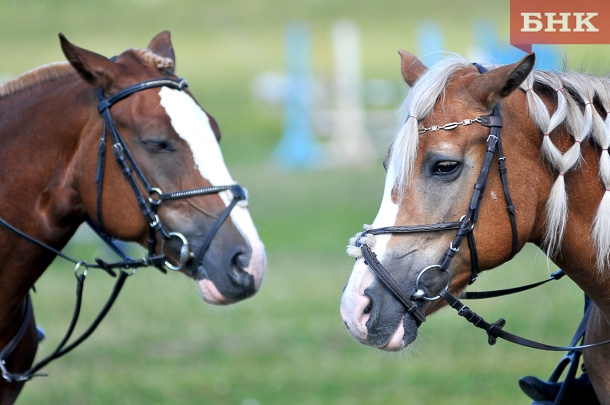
{"type": "Point", "coordinates": [148, 206]}
{"type": "Point", "coordinates": [155, 196]}
{"type": "Point", "coordinates": [465, 227]}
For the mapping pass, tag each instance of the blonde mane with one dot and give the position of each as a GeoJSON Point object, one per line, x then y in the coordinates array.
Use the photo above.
{"type": "Point", "coordinates": [576, 96]}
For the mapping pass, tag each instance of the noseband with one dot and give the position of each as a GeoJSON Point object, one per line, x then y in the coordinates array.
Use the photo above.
{"type": "Point", "coordinates": [465, 226]}
{"type": "Point", "coordinates": [154, 197]}
{"type": "Point", "coordinates": [148, 204]}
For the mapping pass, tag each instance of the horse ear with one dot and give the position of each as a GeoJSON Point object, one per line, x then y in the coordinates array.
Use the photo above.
{"type": "Point", "coordinates": [491, 86]}
{"type": "Point", "coordinates": [411, 67]}
{"type": "Point", "coordinates": [161, 44]}
{"type": "Point", "coordinates": [94, 68]}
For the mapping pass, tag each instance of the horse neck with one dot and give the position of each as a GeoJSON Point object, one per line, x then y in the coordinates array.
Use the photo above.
{"type": "Point", "coordinates": [533, 177]}
{"type": "Point", "coordinates": [42, 134]}
{"type": "Point", "coordinates": [577, 256]}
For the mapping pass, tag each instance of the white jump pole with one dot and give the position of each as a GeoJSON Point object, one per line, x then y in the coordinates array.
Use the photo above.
{"type": "Point", "coordinates": [350, 142]}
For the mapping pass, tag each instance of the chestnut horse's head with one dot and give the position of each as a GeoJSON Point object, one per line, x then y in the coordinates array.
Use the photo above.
{"type": "Point", "coordinates": [431, 172]}
{"type": "Point", "coordinates": [164, 143]}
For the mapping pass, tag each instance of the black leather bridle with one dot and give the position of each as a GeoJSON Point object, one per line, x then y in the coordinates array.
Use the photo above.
{"type": "Point", "coordinates": [154, 197]}
{"type": "Point", "coordinates": [465, 227]}
{"type": "Point", "coordinates": [148, 204]}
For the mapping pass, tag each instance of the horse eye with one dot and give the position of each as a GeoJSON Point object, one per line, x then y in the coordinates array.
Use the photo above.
{"type": "Point", "coordinates": [445, 167]}
{"type": "Point", "coordinates": [158, 145]}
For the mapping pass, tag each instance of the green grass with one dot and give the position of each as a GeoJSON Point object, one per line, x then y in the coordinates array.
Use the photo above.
{"type": "Point", "coordinates": [161, 344]}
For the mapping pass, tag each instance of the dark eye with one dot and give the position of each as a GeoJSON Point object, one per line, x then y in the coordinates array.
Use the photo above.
{"type": "Point", "coordinates": [160, 145]}
{"type": "Point", "coordinates": [445, 167]}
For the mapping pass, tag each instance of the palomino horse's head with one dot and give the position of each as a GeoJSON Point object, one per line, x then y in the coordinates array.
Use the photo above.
{"type": "Point", "coordinates": [175, 145]}
{"type": "Point", "coordinates": [431, 172]}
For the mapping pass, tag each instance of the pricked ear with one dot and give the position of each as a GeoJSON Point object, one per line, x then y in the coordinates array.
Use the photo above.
{"type": "Point", "coordinates": [94, 68]}
{"type": "Point", "coordinates": [161, 44]}
{"type": "Point", "coordinates": [491, 86]}
{"type": "Point", "coordinates": [411, 67]}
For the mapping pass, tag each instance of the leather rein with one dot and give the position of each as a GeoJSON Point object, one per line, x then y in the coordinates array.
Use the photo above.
{"type": "Point", "coordinates": [464, 230]}
{"type": "Point", "coordinates": [148, 204]}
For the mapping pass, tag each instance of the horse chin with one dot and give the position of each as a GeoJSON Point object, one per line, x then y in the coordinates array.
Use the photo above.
{"type": "Point", "coordinates": [210, 293]}
{"type": "Point", "coordinates": [378, 320]}
{"type": "Point", "coordinates": [405, 334]}
{"type": "Point", "coordinates": [223, 285]}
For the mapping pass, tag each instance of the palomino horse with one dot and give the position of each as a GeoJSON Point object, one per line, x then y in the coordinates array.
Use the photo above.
{"type": "Point", "coordinates": [554, 163]}
{"type": "Point", "coordinates": [187, 209]}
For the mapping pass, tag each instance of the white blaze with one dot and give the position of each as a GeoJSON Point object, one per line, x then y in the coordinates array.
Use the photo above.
{"type": "Point", "coordinates": [387, 214]}
{"type": "Point", "coordinates": [354, 301]}
{"type": "Point", "coordinates": [192, 124]}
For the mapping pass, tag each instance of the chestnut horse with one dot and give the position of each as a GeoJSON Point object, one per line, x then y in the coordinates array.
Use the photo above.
{"type": "Point", "coordinates": [168, 188]}
{"type": "Point", "coordinates": [554, 178]}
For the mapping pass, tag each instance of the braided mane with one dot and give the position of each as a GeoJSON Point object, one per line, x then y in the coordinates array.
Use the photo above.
{"type": "Point", "coordinates": [34, 77]}
{"type": "Point", "coordinates": [59, 70]}
{"type": "Point", "coordinates": [152, 59]}
{"type": "Point", "coordinates": [579, 97]}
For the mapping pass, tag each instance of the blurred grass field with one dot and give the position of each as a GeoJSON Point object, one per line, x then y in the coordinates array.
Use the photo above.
{"type": "Point", "coordinates": [161, 344]}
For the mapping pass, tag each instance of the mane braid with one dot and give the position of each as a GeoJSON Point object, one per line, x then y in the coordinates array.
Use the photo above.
{"type": "Point", "coordinates": [35, 77]}
{"type": "Point", "coordinates": [150, 58]}
{"type": "Point", "coordinates": [578, 99]}
{"type": "Point", "coordinates": [582, 110]}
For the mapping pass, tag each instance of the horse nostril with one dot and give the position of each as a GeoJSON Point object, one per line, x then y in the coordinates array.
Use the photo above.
{"type": "Point", "coordinates": [238, 275]}
{"type": "Point", "coordinates": [241, 260]}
